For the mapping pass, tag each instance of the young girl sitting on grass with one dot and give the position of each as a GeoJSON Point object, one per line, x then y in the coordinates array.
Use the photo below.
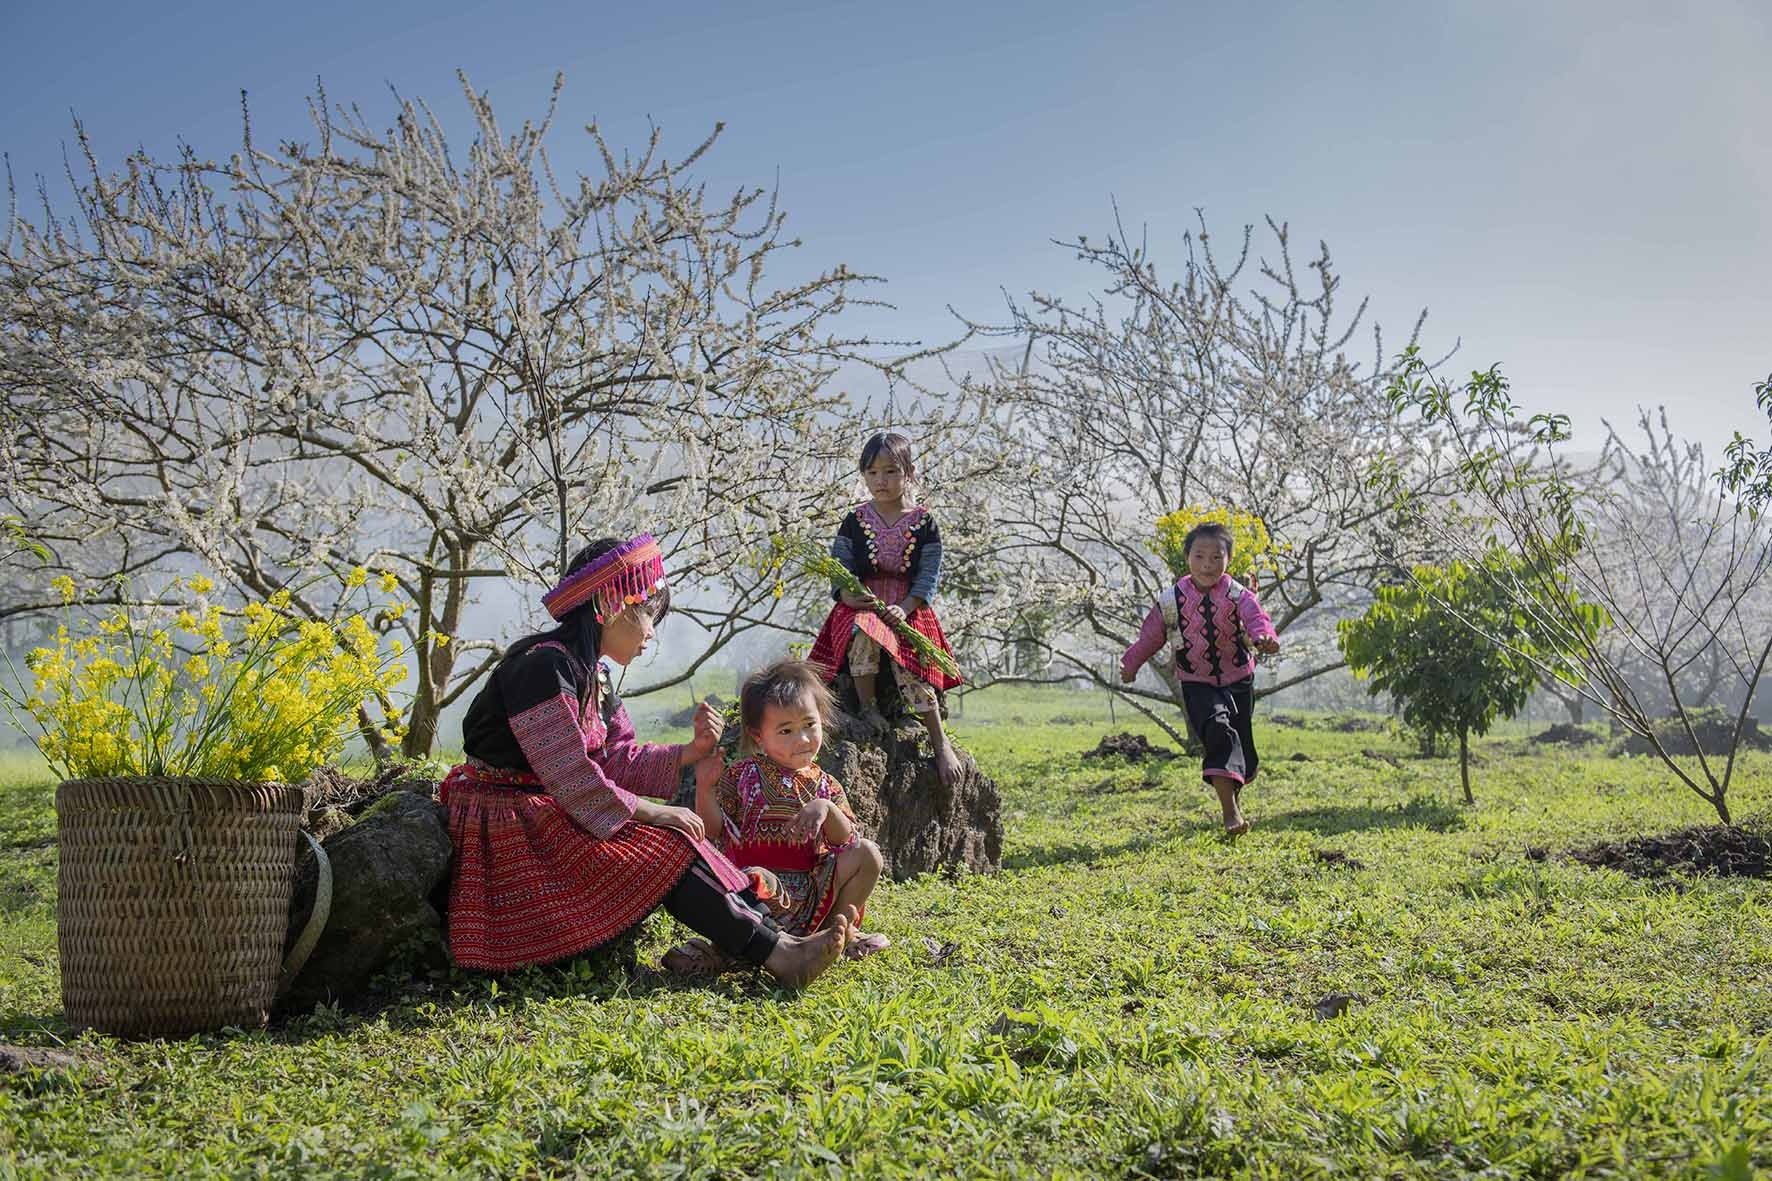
{"type": "Point", "coordinates": [894, 548]}
{"type": "Point", "coordinates": [1202, 628]}
{"type": "Point", "coordinates": [776, 810]}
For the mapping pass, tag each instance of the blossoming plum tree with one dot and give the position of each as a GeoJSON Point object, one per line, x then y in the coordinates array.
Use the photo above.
{"type": "Point", "coordinates": [365, 350]}
{"type": "Point", "coordinates": [1232, 385]}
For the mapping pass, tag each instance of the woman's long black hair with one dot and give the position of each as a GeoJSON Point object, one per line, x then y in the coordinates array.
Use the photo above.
{"type": "Point", "coordinates": [580, 632]}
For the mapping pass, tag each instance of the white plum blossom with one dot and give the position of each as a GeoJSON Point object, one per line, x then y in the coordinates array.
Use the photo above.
{"type": "Point", "coordinates": [369, 350]}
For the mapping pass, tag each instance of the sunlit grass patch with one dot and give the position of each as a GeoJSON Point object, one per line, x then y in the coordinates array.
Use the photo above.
{"type": "Point", "coordinates": [1131, 995]}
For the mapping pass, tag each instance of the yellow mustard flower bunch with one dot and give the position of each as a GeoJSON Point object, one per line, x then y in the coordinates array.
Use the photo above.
{"type": "Point", "coordinates": [1253, 551]}
{"type": "Point", "coordinates": [256, 694]}
{"type": "Point", "coordinates": [772, 565]}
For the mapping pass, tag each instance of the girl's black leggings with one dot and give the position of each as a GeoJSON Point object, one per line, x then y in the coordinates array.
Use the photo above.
{"type": "Point", "coordinates": [733, 922]}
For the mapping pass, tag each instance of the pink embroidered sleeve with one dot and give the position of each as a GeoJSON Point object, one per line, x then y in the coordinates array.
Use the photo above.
{"type": "Point", "coordinates": [1256, 624]}
{"type": "Point", "coordinates": [646, 768]}
{"type": "Point", "coordinates": [1151, 637]}
{"type": "Point", "coordinates": [554, 746]}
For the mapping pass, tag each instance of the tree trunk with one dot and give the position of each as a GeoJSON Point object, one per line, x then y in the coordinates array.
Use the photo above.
{"type": "Point", "coordinates": [1464, 764]}
{"type": "Point", "coordinates": [436, 661]}
{"type": "Point", "coordinates": [379, 749]}
{"type": "Point", "coordinates": [421, 729]}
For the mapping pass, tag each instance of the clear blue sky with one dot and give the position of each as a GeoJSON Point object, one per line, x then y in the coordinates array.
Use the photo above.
{"type": "Point", "coordinates": [1580, 190]}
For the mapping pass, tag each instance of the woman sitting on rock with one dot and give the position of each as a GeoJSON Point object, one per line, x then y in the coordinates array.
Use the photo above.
{"type": "Point", "coordinates": [562, 841]}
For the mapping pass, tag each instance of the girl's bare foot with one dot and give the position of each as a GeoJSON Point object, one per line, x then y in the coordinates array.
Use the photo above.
{"type": "Point", "coordinates": [1235, 829]}
{"type": "Point", "coordinates": [797, 962]}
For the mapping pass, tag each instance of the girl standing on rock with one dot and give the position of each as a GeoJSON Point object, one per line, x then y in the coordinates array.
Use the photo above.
{"type": "Point", "coordinates": [894, 548]}
{"type": "Point", "coordinates": [562, 839]}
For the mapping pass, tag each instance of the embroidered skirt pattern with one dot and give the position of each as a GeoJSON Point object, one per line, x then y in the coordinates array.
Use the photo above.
{"type": "Point", "coordinates": [530, 886]}
{"type": "Point", "coordinates": [831, 649]}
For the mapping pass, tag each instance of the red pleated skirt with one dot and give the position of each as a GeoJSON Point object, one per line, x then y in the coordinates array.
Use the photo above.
{"type": "Point", "coordinates": [529, 886]}
{"type": "Point", "coordinates": [831, 648]}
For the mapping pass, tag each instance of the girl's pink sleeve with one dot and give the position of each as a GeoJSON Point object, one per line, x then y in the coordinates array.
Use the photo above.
{"type": "Point", "coordinates": [1149, 642]}
{"type": "Point", "coordinates": [1256, 623]}
{"type": "Point", "coordinates": [646, 768]}
{"type": "Point", "coordinates": [554, 746]}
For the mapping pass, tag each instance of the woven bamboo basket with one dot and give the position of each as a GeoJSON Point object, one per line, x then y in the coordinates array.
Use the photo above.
{"type": "Point", "coordinates": [174, 901]}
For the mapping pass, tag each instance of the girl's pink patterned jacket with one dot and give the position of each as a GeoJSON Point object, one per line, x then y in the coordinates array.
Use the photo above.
{"type": "Point", "coordinates": [1208, 634]}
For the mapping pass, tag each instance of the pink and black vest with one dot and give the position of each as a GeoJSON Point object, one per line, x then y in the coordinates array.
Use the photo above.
{"type": "Point", "coordinates": [1206, 639]}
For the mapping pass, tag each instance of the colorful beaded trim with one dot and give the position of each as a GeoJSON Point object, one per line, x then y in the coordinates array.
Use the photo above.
{"type": "Point", "coordinates": [630, 573]}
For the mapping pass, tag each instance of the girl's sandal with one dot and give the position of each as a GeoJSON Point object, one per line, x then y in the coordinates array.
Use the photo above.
{"type": "Point", "coordinates": [697, 957]}
{"type": "Point", "coordinates": [864, 945]}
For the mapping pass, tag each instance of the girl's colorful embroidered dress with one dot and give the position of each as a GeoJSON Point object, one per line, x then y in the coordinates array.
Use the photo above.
{"type": "Point", "coordinates": [758, 802]}
{"type": "Point", "coordinates": [895, 562]}
{"type": "Point", "coordinates": [1204, 637]}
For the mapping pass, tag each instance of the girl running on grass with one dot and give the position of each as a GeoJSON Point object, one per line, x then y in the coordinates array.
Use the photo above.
{"type": "Point", "coordinates": [1201, 630]}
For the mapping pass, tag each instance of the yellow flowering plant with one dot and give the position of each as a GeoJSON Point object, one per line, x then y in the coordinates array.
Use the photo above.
{"type": "Point", "coordinates": [1253, 551]}
{"type": "Point", "coordinates": [256, 694]}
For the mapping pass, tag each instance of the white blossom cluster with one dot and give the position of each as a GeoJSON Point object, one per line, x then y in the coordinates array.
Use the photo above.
{"type": "Point", "coordinates": [1158, 395]}
{"type": "Point", "coordinates": [367, 351]}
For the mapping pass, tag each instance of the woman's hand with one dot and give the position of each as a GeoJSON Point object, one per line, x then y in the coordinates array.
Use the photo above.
{"type": "Point", "coordinates": [857, 602]}
{"type": "Point", "coordinates": [665, 816]}
{"type": "Point", "coordinates": [1269, 646]}
{"type": "Point", "coordinates": [709, 725]}
{"type": "Point", "coordinates": [896, 611]}
{"type": "Point", "coordinates": [809, 821]}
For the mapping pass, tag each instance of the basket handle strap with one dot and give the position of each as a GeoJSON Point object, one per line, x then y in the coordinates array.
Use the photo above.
{"type": "Point", "coordinates": [310, 934]}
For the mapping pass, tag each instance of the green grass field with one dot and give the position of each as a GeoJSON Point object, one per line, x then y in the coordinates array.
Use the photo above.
{"type": "Point", "coordinates": [1130, 996]}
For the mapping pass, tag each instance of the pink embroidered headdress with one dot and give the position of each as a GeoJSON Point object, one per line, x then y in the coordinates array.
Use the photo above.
{"type": "Point", "coordinates": [627, 574]}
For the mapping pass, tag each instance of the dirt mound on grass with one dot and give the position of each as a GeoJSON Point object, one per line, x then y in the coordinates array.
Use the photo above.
{"type": "Point", "coordinates": [1713, 849]}
{"type": "Point", "coordinates": [1564, 734]}
{"type": "Point", "coordinates": [1714, 729]}
{"type": "Point", "coordinates": [1133, 747]}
